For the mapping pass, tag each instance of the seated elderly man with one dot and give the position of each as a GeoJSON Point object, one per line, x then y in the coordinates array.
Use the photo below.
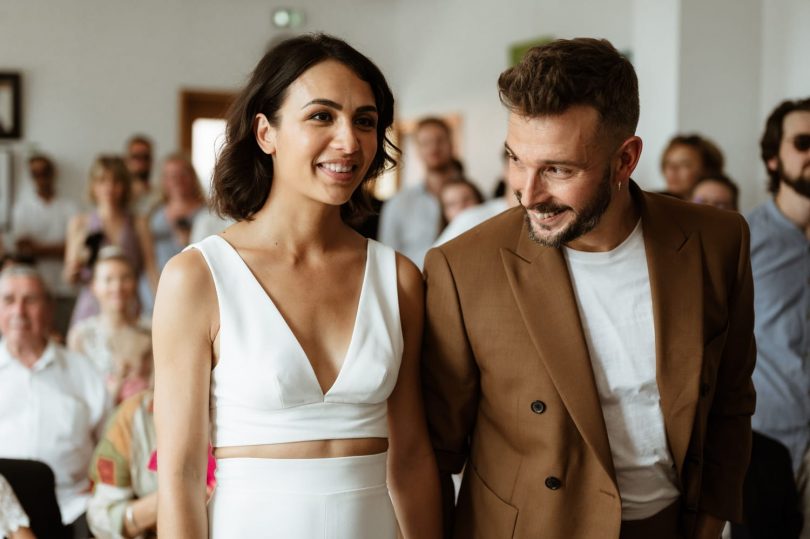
{"type": "Point", "coordinates": [52, 401]}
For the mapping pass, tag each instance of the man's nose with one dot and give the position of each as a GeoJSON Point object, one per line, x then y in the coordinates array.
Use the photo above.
{"type": "Point", "coordinates": [531, 186]}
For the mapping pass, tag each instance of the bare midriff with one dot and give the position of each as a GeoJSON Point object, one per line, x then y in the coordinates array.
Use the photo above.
{"type": "Point", "coordinates": [316, 449]}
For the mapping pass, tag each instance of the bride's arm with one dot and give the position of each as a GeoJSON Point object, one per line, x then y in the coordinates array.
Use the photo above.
{"type": "Point", "coordinates": [184, 327]}
{"type": "Point", "coordinates": [412, 473]}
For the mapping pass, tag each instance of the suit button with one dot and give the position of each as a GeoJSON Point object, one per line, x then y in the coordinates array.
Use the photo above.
{"type": "Point", "coordinates": [538, 407]}
{"type": "Point", "coordinates": [552, 483]}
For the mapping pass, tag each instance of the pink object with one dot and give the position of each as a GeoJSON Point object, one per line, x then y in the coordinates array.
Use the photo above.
{"type": "Point", "coordinates": [210, 479]}
{"type": "Point", "coordinates": [132, 386]}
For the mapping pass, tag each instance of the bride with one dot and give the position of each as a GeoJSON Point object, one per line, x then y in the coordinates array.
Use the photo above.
{"type": "Point", "coordinates": [296, 339]}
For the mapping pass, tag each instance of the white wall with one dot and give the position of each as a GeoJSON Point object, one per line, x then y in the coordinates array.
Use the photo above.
{"type": "Point", "coordinates": [719, 86]}
{"type": "Point", "coordinates": [785, 62]}
{"type": "Point", "coordinates": [656, 54]}
{"type": "Point", "coordinates": [96, 71]}
{"type": "Point", "coordinates": [453, 51]}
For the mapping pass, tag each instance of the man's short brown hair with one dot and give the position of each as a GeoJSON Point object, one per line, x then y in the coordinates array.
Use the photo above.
{"type": "Point", "coordinates": [584, 71]}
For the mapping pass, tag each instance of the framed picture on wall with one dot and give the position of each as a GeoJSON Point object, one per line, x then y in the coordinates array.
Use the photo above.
{"type": "Point", "coordinates": [10, 108]}
{"type": "Point", "coordinates": [6, 190]}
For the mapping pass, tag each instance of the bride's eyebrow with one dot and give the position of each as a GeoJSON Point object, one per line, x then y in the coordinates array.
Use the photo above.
{"type": "Point", "coordinates": [337, 106]}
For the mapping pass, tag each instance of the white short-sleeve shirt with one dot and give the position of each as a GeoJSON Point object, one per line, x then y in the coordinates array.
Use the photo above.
{"type": "Point", "coordinates": [54, 413]}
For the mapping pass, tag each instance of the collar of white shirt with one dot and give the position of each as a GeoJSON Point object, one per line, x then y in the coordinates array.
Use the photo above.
{"type": "Point", "coordinates": [48, 356]}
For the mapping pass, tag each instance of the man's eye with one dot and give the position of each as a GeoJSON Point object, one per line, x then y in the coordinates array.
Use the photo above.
{"type": "Point", "coordinates": [558, 172]}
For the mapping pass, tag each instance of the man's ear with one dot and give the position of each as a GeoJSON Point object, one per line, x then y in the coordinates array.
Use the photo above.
{"type": "Point", "coordinates": [773, 164]}
{"type": "Point", "coordinates": [629, 154]}
{"type": "Point", "coordinates": [265, 134]}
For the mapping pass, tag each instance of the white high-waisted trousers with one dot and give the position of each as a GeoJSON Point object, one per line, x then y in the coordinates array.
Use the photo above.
{"type": "Point", "coordinates": [330, 498]}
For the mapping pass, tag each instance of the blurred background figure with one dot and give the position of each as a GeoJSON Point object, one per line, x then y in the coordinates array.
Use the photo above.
{"type": "Point", "coordinates": [456, 196]}
{"type": "Point", "coordinates": [109, 223]}
{"type": "Point", "coordinates": [53, 401]}
{"type": "Point", "coordinates": [411, 220]}
{"type": "Point", "coordinates": [124, 500]}
{"type": "Point", "coordinates": [686, 159]}
{"type": "Point", "coordinates": [120, 349]}
{"type": "Point", "coordinates": [183, 201]}
{"type": "Point", "coordinates": [473, 216]}
{"type": "Point", "coordinates": [144, 199]}
{"type": "Point", "coordinates": [39, 224]}
{"type": "Point", "coordinates": [14, 522]}
{"type": "Point", "coordinates": [716, 190]}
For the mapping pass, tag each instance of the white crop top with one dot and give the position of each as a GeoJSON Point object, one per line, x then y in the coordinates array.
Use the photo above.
{"type": "Point", "coordinates": [263, 388]}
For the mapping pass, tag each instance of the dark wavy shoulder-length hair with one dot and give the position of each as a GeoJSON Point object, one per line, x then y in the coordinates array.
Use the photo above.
{"type": "Point", "coordinates": [244, 173]}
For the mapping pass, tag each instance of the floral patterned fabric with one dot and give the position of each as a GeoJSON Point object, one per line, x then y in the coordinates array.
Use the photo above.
{"type": "Point", "coordinates": [120, 466]}
{"type": "Point", "coordinates": [12, 516]}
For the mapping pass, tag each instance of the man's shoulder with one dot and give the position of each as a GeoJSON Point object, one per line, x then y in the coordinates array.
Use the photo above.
{"type": "Point", "coordinates": [690, 217]}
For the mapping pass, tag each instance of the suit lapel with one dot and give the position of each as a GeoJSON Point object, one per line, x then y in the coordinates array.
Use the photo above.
{"type": "Point", "coordinates": [538, 277]}
{"type": "Point", "coordinates": [675, 266]}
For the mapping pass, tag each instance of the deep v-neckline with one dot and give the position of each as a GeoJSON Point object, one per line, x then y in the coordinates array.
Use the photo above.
{"type": "Point", "coordinates": [266, 295]}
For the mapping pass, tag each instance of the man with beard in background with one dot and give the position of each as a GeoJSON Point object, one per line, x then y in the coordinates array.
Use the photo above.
{"type": "Point", "coordinates": [780, 261]}
{"type": "Point", "coordinates": [139, 163]}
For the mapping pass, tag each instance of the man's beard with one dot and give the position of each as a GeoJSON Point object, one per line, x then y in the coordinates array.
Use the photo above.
{"type": "Point", "coordinates": [799, 184]}
{"type": "Point", "coordinates": [585, 221]}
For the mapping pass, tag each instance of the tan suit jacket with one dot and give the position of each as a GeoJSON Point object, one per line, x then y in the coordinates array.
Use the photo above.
{"type": "Point", "coordinates": [510, 392]}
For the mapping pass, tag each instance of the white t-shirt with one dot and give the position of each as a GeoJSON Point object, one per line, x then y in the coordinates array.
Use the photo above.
{"type": "Point", "coordinates": [45, 222]}
{"type": "Point", "coordinates": [54, 413]}
{"type": "Point", "coordinates": [615, 305]}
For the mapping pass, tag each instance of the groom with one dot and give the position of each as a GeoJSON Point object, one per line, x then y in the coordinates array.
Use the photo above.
{"type": "Point", "coordinates": [588, 354]}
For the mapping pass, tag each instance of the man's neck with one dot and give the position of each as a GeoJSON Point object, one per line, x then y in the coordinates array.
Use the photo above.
{"type": "Point", "coordinates": [795, 207]}
{"type": "Point", "coordinates": [27, 353]}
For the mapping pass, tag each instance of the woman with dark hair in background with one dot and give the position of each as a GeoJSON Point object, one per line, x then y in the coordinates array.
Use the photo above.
{"type": "Point", "coordinates": [686, 159]}
{"type": "Point", "coordinates": [456, 196]}
{"type": "Point", "coordinates": [716, 190]}
{"type": "Point", "coordinates": [300, 338]}
{"type": "Point", "coordinates": [110, 223]}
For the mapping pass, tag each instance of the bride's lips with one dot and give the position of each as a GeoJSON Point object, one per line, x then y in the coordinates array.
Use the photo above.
{"type": "Point", "coordinates": [340, 171]}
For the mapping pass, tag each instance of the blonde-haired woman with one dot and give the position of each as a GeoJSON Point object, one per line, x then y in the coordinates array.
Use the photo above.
{"type": "Point", "coordinates": [113, 340]}
{"type": "Point", "coordinates": [109, 223]}
{"type": "Point", "coordinates": [170, 223]}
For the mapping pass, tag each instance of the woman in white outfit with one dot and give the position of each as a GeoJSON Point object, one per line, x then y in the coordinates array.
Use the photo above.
{"type": "Point", "coordinates": [294, 337]}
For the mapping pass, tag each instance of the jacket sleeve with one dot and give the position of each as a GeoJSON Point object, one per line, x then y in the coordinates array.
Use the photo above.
{"type": "Point", "coordinates": [727, 444]}
{"type": "Point", "coordinates": [450, 374]}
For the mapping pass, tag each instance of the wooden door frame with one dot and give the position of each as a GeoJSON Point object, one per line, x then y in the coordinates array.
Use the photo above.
{"type": "Point", "coordinates": [196, 104]}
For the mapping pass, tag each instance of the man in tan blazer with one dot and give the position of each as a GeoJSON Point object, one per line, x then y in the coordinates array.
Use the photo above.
{"type": "Point", "coordinates": [588, 354]}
